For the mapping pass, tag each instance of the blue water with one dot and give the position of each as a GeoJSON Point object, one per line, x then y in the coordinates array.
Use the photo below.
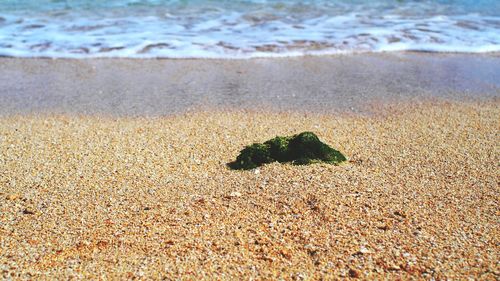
{"type": "Point", "coordinates": [243, 29]}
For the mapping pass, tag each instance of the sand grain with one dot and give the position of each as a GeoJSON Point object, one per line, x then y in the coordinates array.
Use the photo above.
{"type": "Point", "coordinates": [94, 197]}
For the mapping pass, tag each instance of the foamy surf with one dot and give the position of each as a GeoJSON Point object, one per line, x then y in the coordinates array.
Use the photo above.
{"type": "Point", "coordinates": [244, 29]}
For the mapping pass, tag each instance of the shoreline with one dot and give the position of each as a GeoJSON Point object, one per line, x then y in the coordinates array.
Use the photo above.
{"type": "Point", "coordinates": [284, 56]}
{"type": "Point", "coordinates": [358, 84]}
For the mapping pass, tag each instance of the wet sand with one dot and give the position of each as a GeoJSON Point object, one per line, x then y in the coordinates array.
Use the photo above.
{"type": "Point", "coordinates": [357, 83]}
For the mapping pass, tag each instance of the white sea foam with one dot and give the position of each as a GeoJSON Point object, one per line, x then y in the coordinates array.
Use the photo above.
{"type": "Point", "coordinates": [243, 29]}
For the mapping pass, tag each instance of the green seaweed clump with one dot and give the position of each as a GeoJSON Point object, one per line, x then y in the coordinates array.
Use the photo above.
{"type": "Point", "coordinates": [301, 149]}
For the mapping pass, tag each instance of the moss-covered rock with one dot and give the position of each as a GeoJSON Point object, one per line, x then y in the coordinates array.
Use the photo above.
{"type": "Point", "coordinates": [252, 156]}
{"type": "Point", "coordinates": [302, 149]}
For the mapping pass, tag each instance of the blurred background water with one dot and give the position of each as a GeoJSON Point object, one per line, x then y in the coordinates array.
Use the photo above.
{"type": "Point", "coordinates": [243, 29]}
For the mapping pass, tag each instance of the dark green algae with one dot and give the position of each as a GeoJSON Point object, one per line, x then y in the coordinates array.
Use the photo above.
{"type": "Point", "coordinates": [301, 149]}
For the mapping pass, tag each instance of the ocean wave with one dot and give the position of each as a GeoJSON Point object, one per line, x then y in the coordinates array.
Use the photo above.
{"type": "Point", "coordinates": [243, 29]}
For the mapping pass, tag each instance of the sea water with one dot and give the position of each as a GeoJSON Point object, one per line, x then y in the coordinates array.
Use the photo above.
{"type": "Point", "coordinates": [244, 28]}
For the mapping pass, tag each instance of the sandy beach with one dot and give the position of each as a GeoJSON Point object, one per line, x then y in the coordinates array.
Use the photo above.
{"type": "Point", "coordinates": [116, 169]}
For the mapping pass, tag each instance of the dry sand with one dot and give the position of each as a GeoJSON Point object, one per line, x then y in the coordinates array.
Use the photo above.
{"type": "Point", "coordinates": [115, 198]}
